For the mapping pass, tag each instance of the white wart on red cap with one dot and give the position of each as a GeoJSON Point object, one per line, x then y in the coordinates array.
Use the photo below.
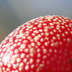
{"type": "Point", "coordinates": [43, 44]}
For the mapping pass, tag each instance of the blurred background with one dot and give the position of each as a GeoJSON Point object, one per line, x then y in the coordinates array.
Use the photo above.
{"type": "Point", "coordinates": [16, 12]}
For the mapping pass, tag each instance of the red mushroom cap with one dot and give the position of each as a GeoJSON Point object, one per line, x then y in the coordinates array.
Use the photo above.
{"type": "Point", "coordinates": [43, 44]}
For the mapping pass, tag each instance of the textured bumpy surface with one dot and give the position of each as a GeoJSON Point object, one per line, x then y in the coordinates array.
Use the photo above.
{"type": "Point", "coordinates": [43, 44]}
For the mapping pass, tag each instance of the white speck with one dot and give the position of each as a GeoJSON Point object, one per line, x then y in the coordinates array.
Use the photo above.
{"type": "Point", "coordinates": [44, 50]}
{"type": "Point", "coordinates": [33, 44]}
{"type": "Point", "coordinates": [66, 32]}
{"type": "Point", "coordinates": [22, 55]}
{"type": "Point", "coordinates": [1, 64]}
{"type": "Point", "coordinates": [11, 47]}
{"type": "Point", "coordinates": [31, 61]}
{"type": "Point", "coordinates": [19, 43]}
{"type": "Point", "coordinates": [63, 34]}
{"type": "Point", "coordinates": [38, 60]}
{"type": "Point", "coordinates": [41, 39]}
{"type": "Point", "coordinates": [63, 27]}
{"type": "Point", "coordinates": [21, 65]}
{"type": "Point", "coordinates": [32, 66]}
{"type": "Point", "coordinates": [71, 32]}
{"type": "Point", "coordinates": [14, 57]}
{"type": "Point", "coordinates": [40, 30]}
{"type": "Point", "coordinates": [38, 55]}
{"type": "Point", "coordinates": [51, 33]}
{"type": "Point", "coordinates": [9, 65]}
{"type": "Point", "coordinates": [50, 50]}
{"type": "Point", "coordinates": [44, 57]}
{"type": "Point", "coordinates": [25, 60]}
{"type": "Point", "coordinates": [46, 43]}
{"type": "Point", "coordinates": [27, 67]}
{"type": "Point", "coordinates": [38, 43]}
{"type": "Point", "coordinates": [23, 46]}
{"type": "Point", "coordinates": [38, 50]}
{"type": "Point", "coordinates": [14, 66]}
{"type": "Point", "coordinates": [54, 37]}
{"type": "Point", "coordinates": [26, 50]}
{"type": "Point", "coordinates": [18, 59]}
{"type": "Point", "coordinates": [55, 50]}
{"type": "Point", "coordinates": [16, 51]}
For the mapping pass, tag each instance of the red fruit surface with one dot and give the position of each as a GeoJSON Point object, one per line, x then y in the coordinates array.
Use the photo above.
{"type": "Point", "coordinates": [43, 44]}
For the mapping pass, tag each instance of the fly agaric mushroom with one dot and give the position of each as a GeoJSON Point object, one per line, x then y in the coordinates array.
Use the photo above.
{"type": "Point", "coordinates": [43, 44]}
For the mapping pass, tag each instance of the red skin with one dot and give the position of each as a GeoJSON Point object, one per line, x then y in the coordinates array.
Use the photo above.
{"type": "Point", "coordinates": [43, 44]}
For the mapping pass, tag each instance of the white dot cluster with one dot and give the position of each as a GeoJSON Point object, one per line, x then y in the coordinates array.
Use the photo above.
{"type": "Point", "coordinates": [42, 44]}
